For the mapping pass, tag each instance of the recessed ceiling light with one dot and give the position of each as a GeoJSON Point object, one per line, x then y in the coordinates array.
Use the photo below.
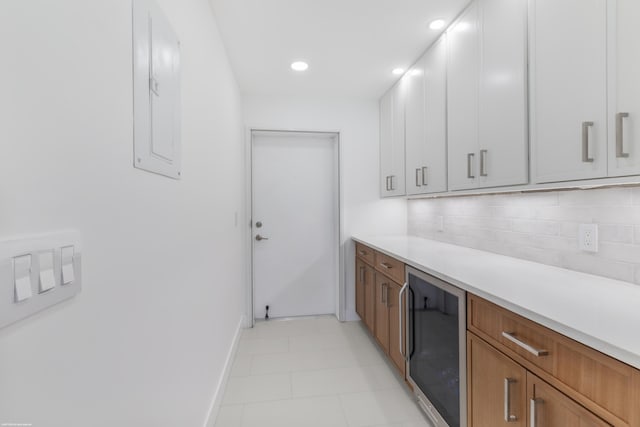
{"type": "Point", "coordinates": [299, 66]}
{"type": "Point", "coordinates": [438, 24]}
{"type": "Point", "coordinates": [398, 71]}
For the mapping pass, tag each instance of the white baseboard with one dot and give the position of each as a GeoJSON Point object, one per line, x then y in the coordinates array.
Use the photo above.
{"type": "Point", "coordinates": [217, 397]}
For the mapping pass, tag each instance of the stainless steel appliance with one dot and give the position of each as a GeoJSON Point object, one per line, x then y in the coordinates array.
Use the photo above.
{"type": "Point", "coordinates": [435, 354]}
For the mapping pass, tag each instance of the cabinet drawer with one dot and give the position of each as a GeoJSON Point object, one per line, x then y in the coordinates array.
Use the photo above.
{"type": "Point", "coordinates": [365, 253]}
{"type": "Point", "coordinates": [390, 267]}
{"type": "Point", "coordinates": [604, 385]}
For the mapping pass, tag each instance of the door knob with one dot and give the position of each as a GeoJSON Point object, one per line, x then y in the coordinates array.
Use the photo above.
{"type": "Point", "coordinates": [259, 238]}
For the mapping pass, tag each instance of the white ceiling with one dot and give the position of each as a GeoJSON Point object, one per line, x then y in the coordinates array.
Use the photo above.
{"type": "Point", "coordinates": [351, 45]}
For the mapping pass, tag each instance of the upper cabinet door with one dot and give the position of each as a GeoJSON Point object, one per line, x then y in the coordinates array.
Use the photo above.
{"type": "Point", "coordinates": [624, 114]}
{"type": "Point", "coordinates": [392, 175]}
{"type": "Point", "coordinates": [462, 106]}
{"type": "Point", "coordinates": [568, 57]}
{"type": "Point", "coordinates": [426, 122]}
{"type": "Point", "coordinates": [503, 135]}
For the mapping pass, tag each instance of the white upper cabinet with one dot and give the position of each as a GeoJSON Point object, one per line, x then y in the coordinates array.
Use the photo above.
{"type": "Point", "coordinates": [462, 99]}
{"type": "Point", "coordinates": [568, 89]}
{"type": "Point", "coordinates": [392, 141]}
{"type": "Point", "coordinates": [503, 130]}
{"type": "Point", "coordinates": [426, 122]}
{"type": "Point", "coordinates": [624, 114]}
{"type": "Point", "coordinates": [487, 96]}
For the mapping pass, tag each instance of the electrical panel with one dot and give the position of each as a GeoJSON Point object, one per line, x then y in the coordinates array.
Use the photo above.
{"type": "Point", "coordinates": [156, 85]}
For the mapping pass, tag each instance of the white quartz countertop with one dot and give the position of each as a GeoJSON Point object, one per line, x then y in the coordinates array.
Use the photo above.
{"type": "Point", "coordinates": [598, 312]}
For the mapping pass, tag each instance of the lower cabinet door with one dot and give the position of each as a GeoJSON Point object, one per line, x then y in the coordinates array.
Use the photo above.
{"type": "Point", "coordinates": [382, 311]}
{"type": "Point", "coordinates": [548, 407]}
{"type": "Point", "coordinates": [369, 297]}
{"type": "Point", "coordinates": [395, 330]}
{"type": "Point", "coordinates": [496, 389]}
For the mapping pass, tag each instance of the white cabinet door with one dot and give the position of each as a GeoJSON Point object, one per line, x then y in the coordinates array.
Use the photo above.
{"type": "Point", "coordinates": [624, 114]}
{"type": "Point", "coordinates": [503, 136]}
{"type": "Point", "coordinates": [462, 105]}
{"type": "Point", "coordinates": [426, 123]}
{"type": "Point", "coordinates": [568, 57]}
{"type": "Point", "coordinates": [392, 175]}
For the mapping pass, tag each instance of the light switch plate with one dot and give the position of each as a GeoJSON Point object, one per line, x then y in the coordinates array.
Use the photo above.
{"type": "Point", "coordinates": [36, 247]}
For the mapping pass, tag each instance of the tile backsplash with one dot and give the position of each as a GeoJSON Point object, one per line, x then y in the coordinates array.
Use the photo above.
{"type": "Point", "coordinates": [541, 227]}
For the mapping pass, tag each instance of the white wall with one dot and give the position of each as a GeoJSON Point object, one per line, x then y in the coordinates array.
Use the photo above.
{"type": "Point", "coordinates": [145, 342]}
{"type": "Point", "coordinates": [541, 227]}
{"type": "Point", "coordinates": [358, 124]}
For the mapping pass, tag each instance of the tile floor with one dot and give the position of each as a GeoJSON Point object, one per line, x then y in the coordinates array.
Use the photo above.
{"type": "Point", "coordinates": [314, 372]}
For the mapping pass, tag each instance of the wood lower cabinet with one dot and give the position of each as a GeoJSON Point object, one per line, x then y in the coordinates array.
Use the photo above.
{"type": "Point", "coordinates": [365, 293]}
{"type": "Point", "coordinates": [496, 387]}
{"type": "Point", "coordinates": [378, 300]}
{"type": "Point", "coordinates": [503, 393]}
{"type": "Point", "coordinates": [382, 311]}
{"type": "Point", "coordinates": [567, 383]}
{"type": "Point", "coordinates": [548, 407]}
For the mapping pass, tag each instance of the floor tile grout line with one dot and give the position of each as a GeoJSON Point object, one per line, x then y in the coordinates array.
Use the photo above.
{"type": "Point", "coordinates": [344, 411]}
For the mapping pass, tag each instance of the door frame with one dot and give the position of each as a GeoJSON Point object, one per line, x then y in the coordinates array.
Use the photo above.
{"type": "Point", "coordinates": [341, 296]}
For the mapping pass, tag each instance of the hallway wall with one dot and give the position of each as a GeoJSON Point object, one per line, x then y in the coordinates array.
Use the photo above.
{"type": "Point", "coordinates": [145, 342]}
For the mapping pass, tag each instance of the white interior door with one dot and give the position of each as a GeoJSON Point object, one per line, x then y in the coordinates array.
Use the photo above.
{"type": "Point", "coordinates": [295, 223]}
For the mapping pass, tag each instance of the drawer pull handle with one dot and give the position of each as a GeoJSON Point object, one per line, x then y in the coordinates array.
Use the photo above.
{"type": "Point", "coordinates": [383, 294]}
{"type": "Point", "coordinates": [619, 135]}
{"type": "Point", "coordinates": [533, 421]}
{"type": "Point", "coordinates": [363, 253]}
{"type": "Point", "coordinates": [470, 157]}
{"type": "Point", "coordinates": [585, 142]}
{"type": "Point", "coordinates": [508, 416]}
{"type": "Point", "coordinates": [511, 336]}
{"type": "Point", "coordinates": [387, 266]}
{"type": "Point", "coordinates": [362, 275]}
{"type": "Point", "coordinates": [483, 162]}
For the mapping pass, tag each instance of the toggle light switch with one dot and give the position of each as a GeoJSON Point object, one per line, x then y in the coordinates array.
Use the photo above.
{"type": "Point", "coordinates": [47, 277]}
{"type": "Point", "coordinates": [22, 277]}
{"type": "Point", "coordinates": [66, 256]}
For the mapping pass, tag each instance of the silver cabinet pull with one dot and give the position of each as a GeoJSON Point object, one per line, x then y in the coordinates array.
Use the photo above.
{"type": "Point", "coordinates": [388, 188]}
{"type": "Point", "coordinates": [387, 297]}
{"type": "Point", "coordinates": [619, 135]}
{"type": "Point", "coordinates": [363, 253]}
{"type": "Point", "coordinates": [391, 181]}
{"type": "Point", "coordinates": [483, 162]}
{"type": "Point", "coordinates": [383, 295]}
{"type": "Point", "coordinates": [511, 336]}
{"type": "Point", "coordinates": [425, 175]}
{"type": "Point", "coordinates": [401, 317]}
{"type": "Point", "coordinates": [362, 275]}
{"type": "Point", "coordinates": [533, 421]}
{"type": "Point", "coordinates": [418, 184]}
{"type": "Point", "coordinates": [470, 157]}
{"type": "Point", "coordinates": [259, 238]}
{"type": "Point", "coordinates": [508, 416]}
{"type": "Point", "coordinates": [585, 142]}
{"type": "Point", "coordinates": [387, 266]}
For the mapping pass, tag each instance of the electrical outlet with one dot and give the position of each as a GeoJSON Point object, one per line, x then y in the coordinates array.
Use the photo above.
{"type": "Point", "coordinates": [440, 223]}
{"type": "Point", "coordinates": [588, 237]}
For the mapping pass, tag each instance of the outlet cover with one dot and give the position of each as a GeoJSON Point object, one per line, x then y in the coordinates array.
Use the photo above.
{"type": "Point", "coordinates": [588, 237]}
{"type": "Point", "coordinates": [440, 222]}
